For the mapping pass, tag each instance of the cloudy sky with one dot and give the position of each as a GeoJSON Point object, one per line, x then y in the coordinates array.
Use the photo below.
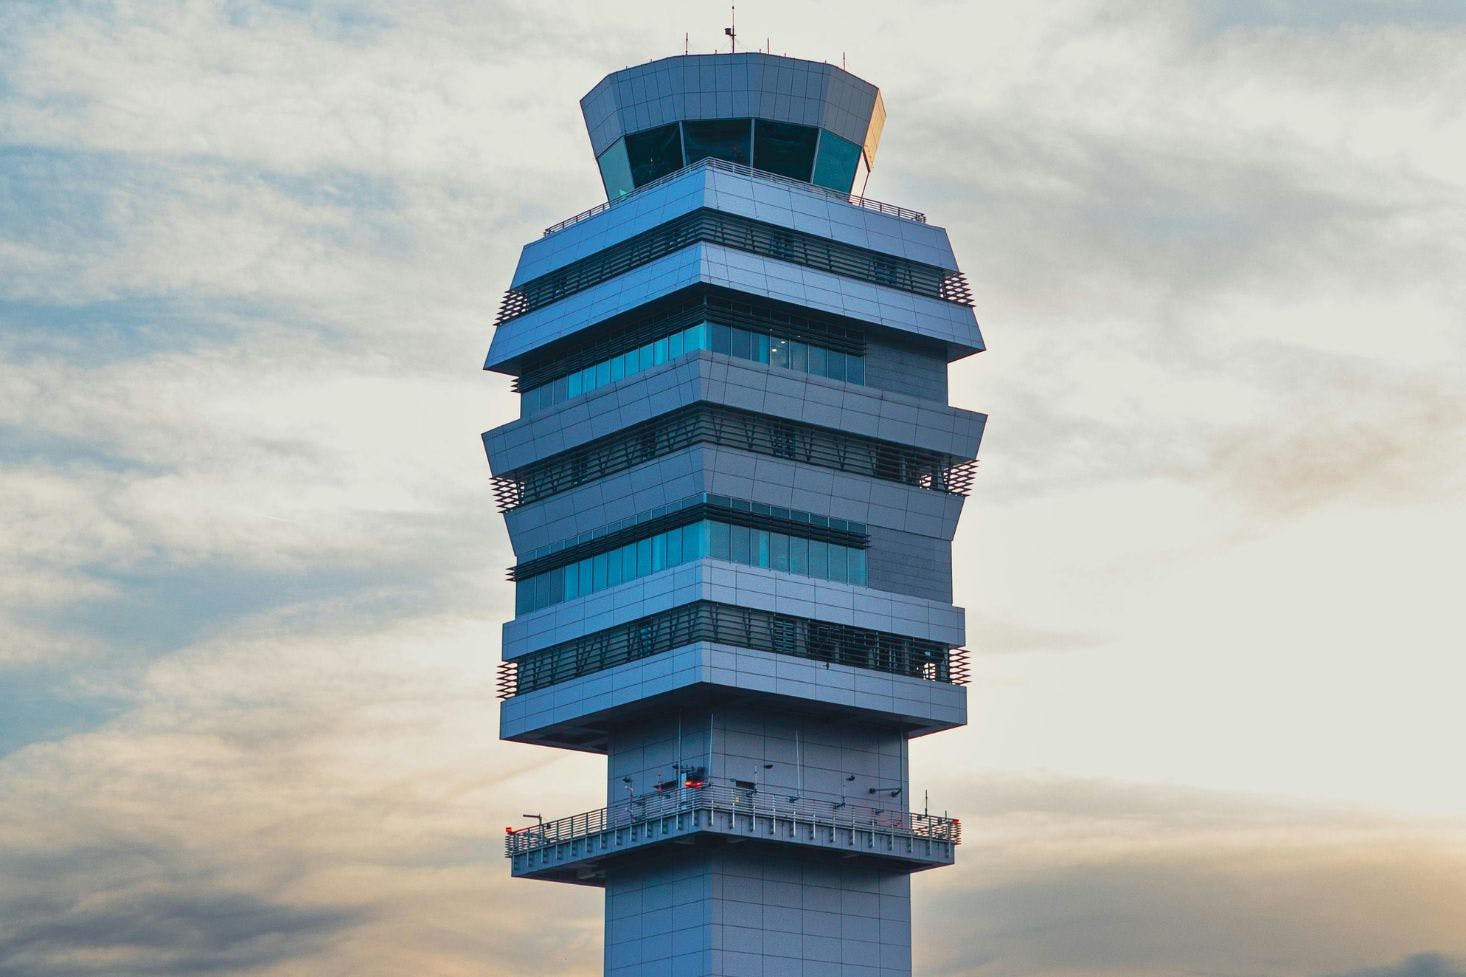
{"type": "Point", "coordinates": [251, 576]}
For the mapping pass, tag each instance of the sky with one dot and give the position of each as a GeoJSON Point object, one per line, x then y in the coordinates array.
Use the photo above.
{"type": "Point", "coordinates": [251, 574]}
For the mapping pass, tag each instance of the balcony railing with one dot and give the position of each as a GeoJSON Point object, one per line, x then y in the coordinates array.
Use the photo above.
{"type": "Point", "coordinates": [740, 811]}
{"type": "Point", "coordinates": [739, 627]}
{"type": "Point", "coordinates": [745, 170]}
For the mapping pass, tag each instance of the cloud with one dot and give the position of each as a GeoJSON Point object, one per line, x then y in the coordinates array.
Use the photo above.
{"type": "Point", "coordinates": [182, 931]}
{"type": "Point", "coordinates": [1093, 878]}
{"type": "Point", "coordinates": [250, 579]}
{"type": "Point", "coordinates": [1419, 965]}
{"type": "Point", "coordinates": [314, 791]}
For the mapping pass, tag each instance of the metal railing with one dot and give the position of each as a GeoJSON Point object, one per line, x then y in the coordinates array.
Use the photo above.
{"type": "Point", "coordinates": [736, 801]}
{"type": "Point", "coordinates": [761, 434]}
{"type": "Point", "coordinates": [739, 627]}
{"type": "Point", "coordinates": [744, 170]}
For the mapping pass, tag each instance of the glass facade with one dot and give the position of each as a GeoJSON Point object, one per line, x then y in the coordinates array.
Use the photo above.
{"type": "Point", "coordinates": [616, 171]}
{"type": "Point", "coordinates": [785, 148]}
{"type": "Point", "coordinates": [702, 498]}
{"type": "Point", "coordinates": [720, 138]}
{"type": "Point", "coordinates": [744, 344]}
{"type": "Point", "coordinates": [799, 152]}
{"type": "Point", "coordinates": [835, 166]}
{"type": "Point", "coordinates": [654, 153]}
{"type": "Point", "coordinates": [718, 540]}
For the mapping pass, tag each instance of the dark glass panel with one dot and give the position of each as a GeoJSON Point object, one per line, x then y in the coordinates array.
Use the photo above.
{"type": "Point", "coordinates": [718, 540]}
{"type": "Point", "coordinates": [798, 555]}
{"type": "Point", "coordinates": [742, 344]}
{"type": "Point", "coordinates": [739, 538]}
{"type": "Point", "coordinates": [722, 138]}
{"type": "Point", "coordinates": [654, 153]}
{"type": "Point", "coordinates": [838, 563]}
{"type": "Point", "coordinates": [758, 551]}
{"type": "Point", "coordinates": [695, 541]}
{"type": "Point", "coordinates": [722, 338]}
{"type": "Point", "coordinates": [819, 559]}
{"type": "Point", "coordinates": [779, 551]}
{"type": "Point", "coordinates": [784, 148]}
{"type": "Point", "coordinates": [836, 164]}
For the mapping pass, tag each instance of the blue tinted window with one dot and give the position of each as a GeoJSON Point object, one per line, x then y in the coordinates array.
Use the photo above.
{"type": "Point", "coordinates": [738, 539]}
{"type": "Point", "coordinates": [736, 544]}
{"type": "Point", "coordinates": [718, 540]}
{"type": "Point", "coordinates": [838, 563]}
{"type": "Point", "coordinates": [779, 551]}
{"type": "Point", "coordinates": [741, 343]}
{"type": "Point", "coordinates": [694, 541]}
{"type": "Point", "coordinates": [836, 162]}
{"type": "Point", "coordinates": [616, 171]}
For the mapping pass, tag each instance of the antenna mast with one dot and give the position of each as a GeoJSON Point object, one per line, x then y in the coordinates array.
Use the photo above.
{"type": "Point", "coordinates": [732, 32]}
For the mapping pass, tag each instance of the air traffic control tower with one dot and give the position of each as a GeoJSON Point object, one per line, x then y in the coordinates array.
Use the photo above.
{"type": "Point", "coordinates": [732, 491]}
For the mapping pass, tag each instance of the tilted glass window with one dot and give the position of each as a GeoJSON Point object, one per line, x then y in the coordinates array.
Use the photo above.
{"type": "Point", "coordinates": [784, 148]}
{"type": "Point", "coordinates": [720, 138]}
{"type": "Point", "coordinates": [718, 540]}
{"type": "Point", "coordinates": [654, 153]}
{"type": "Point", "coordinates": [835, 164]}
{"type": "Point", "coordinates": [616, 171]}
{"type": "Point", "coordinates": [787, 354]}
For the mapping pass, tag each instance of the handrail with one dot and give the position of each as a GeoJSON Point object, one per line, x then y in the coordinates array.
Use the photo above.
{"type": "Point", "coordinates": [641, 810]}
{"type": "Point", "coordinates": [744, 170]}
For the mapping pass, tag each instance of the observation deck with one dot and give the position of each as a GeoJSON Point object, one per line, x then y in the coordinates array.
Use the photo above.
{"type": "Point", "coordinates": [574, 849]}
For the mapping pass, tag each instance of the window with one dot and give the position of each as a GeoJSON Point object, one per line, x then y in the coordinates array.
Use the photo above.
{"type": "Point", "coordinates": [744, 344]}
{"type": "Point", "coordinates": [836, 162]}
{"type": "Point", "coordinates": [615, 171]}
{"type": "Point", "coordinates": [654, 153]}
{"type": "Point", "coordinates": [739, 544]}
{"type": "Point", "coordinates": [784, 148]}
{"type": "Point", "coordinates": [720, 138]}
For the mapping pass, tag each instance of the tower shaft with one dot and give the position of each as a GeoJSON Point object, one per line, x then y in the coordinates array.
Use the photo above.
{"type": "Point", "coordinates": [732, 492]}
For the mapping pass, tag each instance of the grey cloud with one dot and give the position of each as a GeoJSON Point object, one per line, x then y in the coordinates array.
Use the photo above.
{"type": "Point", "coordinates": [1107, 879]}
{"type": "Point", "coordinates": [1419, 965]}
{"type": "Point", "coordinates": [178, 930]}
{"type": "Point", "coordinates": [1207, 911]}
{"type": "Point", "coordinates": [1222, 15]}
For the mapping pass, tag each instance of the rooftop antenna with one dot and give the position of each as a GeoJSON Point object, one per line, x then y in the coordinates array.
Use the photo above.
{"type": "Point", "coordinates": [684, 43]}
{"type": "Point", "coordinates": [842, 62]}
{"type": "Point", "coordinates": [732, 31]}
